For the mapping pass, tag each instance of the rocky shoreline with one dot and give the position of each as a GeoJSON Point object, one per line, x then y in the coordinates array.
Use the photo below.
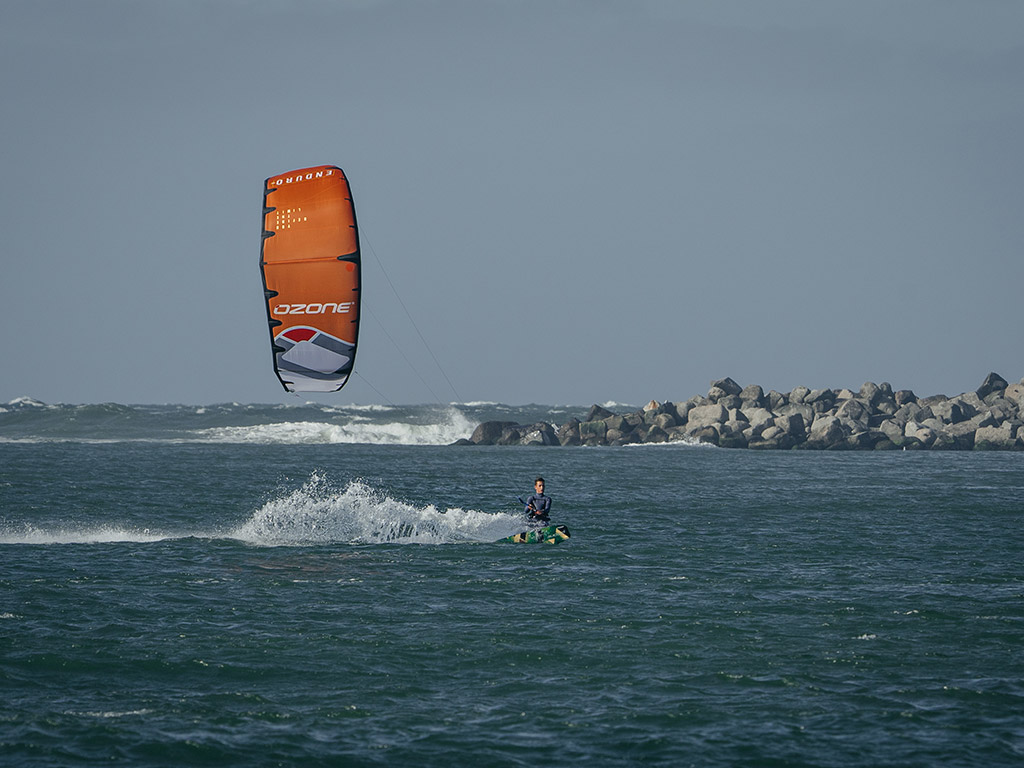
{"type": "Point", "coordinates": [730, 416]}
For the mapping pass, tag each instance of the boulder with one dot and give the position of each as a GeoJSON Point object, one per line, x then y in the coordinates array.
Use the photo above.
{"type": "Point", "coordinates": [753, 394]}
{"type": "Point", "coordinates": [893, 431]}
{"type": "Point", "coordinates": [854, 409]}
{"type": "Point", "coordinates": [949, 411]}
{"type": "Point", "coordinates": [1015, 393]}
{"type": "Point", "coordinates": [776, 400]}
{"type": "Point", "coordinates": [821, 400]}
{"type": "Point", "coordinates": [704, 416]}
{"type": "Point", "coordinates": [1002, 409]}
{"type": "Point", "coordinates": [538, 434]}
{"type": "Point", "coordinates": [726, 386]}
{"type": "Point", "coordinates": [870, 393]}
{"type": "Point", "coordinates": [656, 435]}
{"type": "Point", "coordinates": [993, 383]}
{"type": "Point", "coordinates": [489, 432]}
{"type": "Point", "coordinates": [961, 434]}
{"type": "Point", "coordinates": [510, 436]}
{"type": "Point", "coordinates": [805, 412]}
{"type": "Point", "coordinates": [791, 424]}
{"type": "Point", "coordinates": [616, 422]}
{"type": "Point", "coordinates": [798, 394]}
{"type": "Point", "coordinates": [706, 435]}
{"type": "Point", "coordinates": [593, 430]}
{"type": "Point", "coordinates": [682, 410]}
{"type": "Point", "coordinates": [826, 431]}
{"type": "Point", "coordinates": [1002, 438]}
{"type": "Point", "coordinates": [904, 396]}
{"type": "Point", "coordinates": [758, 416]}
{"type": "Point", "coordinates": [569, 433]}
{"type": "Point", "coordinates": [922, 434]}
{"type": "Point", "coordinates": [664, 421]}
{"type": "Point", "coordinates": [598, 412]}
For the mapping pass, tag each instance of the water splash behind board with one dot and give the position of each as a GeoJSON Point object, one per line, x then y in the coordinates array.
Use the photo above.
{"type": "Point", "coordinates": [320, 513]}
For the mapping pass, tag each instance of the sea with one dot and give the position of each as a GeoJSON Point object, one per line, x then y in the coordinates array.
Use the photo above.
{"type": "Point", "coordinates": [314, 585]}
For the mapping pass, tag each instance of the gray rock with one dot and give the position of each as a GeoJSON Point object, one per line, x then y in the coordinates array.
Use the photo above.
{"type": "Point", "coordinates": [1001, 438]}
{"type": "Point", "coordinates": [753, 394]}
{"type": "Point", "coordinates": [821, 400]}
{"type": "Point", "coordinates": [727, 386]}
{"type": "Point", "coordinates": [962, 435]}
{"type": "Point", "coordinates": [949, 411]}
{"type": "Point", "coordinates": [893, 430]}
{"type": "Point", "coordinates": [616, 422]}
{"type": "Point", "coordinates": [826, 431]}
{"type": "Point", "coordinates": [593, 430]}
{"type": "Point", "coordinates": [538, 434]}
{"type": "Point", "coordinates": [489, 432]}
{"type": "Point", "coordinates": [706, 435]}
{"type": "Point", "coordinates": [682, 409]}
{"type": "Point", "coordinates": [1002, 409]}
{"type": "Point", "coordinates": [798, 394]}
{"type": "Point", "coordinates": [792, 424]}
{"type": "Point", "coordinates": [704, 416]}
{"type": "Point", "coordinates": [805, 412]}
{"type": "Point", "coordinates": [1015, 393]}
{"type": "Point", "coordinates": [776, 400]}
{"type": "Point", "coordinates": [511, 436]}
{"type": "Point", "coordinates": [664, 421]}
{"type": "Point", "coordinates": [758, 416]}
{"type": "Point", "coordinates": [598, 412]}
{"type": "Point", "coordinates": [569, 433]}
{"type": "Point", "coordinates": [855, 409]}
{"type": "Point", "coordinates": [870, 393]}
{"type": "Point", "coordinates": [904, 396]}
{"type": "Point", "coordinates": [924, 435]}
{"type": "Point", "coordinates": [656, 435]}
{"type": "Point", "coordinates": [993, 383]}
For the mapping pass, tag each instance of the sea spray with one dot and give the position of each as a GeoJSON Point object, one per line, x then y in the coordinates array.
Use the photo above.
{"type": "Point", "coordinates": [320, 513]}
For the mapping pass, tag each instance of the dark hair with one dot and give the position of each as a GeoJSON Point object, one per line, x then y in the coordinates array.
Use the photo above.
{"type": "Point", "coordinates": [538, 480]}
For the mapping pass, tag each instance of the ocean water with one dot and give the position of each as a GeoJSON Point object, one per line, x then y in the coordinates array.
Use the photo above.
{"type": "Point", "coordinates": [307, 585]}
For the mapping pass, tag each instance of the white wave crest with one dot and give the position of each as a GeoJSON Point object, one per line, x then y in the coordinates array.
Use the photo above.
{"type": "Point", "coordinates": [453, 427]}
{"type": "Point", "coordinates": [318, 513]}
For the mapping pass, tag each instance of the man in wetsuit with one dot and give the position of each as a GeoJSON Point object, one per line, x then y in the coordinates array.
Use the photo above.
{"type": "Point", "coordinates": [538, 505]}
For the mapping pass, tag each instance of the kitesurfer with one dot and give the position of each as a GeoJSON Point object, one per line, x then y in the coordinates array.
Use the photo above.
{"type": "Point", "coordinates": [538, 505]}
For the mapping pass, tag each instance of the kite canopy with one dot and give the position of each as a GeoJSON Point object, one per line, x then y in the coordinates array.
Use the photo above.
{"type": "Point", "coordinates": [310, 264]}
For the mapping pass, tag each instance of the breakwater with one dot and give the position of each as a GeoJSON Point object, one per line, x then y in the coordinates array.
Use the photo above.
{"type": "Point", "coordinates": [730, 416]}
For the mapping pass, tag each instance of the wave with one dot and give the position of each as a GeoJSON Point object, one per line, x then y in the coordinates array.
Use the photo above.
{"type": "Point", "coordinates": [317, 513]}
{"type": "Point", "coordinates": [354, 431]}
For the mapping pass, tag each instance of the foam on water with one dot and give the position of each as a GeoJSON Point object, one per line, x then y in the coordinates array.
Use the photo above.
{"type": "Point", "coordinates": [452, 428]}
{"type": "Point", "coordinates": [103, 534]}
{"type": "Point", "coordinates": [319, 513]}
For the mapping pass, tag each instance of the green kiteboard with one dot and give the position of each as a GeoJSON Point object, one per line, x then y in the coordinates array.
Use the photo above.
{"type": "Point", "coordinates": [551, 534]}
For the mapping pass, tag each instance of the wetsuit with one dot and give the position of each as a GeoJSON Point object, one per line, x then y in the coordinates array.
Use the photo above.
{"type": "Point", "coordinates": [542, 505]}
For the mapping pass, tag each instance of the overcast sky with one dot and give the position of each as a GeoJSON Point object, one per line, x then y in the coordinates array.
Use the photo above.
{"type": "Point", "coordinates": [576, 200]}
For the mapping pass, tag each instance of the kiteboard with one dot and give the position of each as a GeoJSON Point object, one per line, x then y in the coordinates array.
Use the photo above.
{"type": "Point", "coordinates": [551, 534]}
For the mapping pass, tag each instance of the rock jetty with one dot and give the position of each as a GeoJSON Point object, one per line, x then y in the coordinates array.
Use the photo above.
{"type": "Point", "coordinates": [873, 418]}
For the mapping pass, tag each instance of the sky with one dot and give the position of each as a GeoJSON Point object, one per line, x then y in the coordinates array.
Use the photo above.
{"type": "Point", "coordinates": [560, 201]}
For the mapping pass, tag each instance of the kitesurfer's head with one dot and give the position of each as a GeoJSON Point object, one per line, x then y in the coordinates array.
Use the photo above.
{"type": "Point", "coordinates": [538, 485]}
